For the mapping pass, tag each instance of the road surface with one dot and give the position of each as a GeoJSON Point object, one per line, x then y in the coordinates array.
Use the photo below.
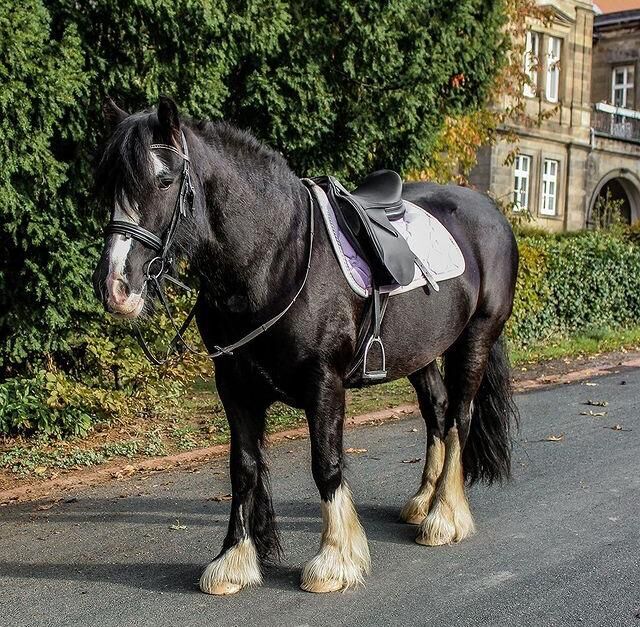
{"type": "Point", "coordinates": [559, 545]}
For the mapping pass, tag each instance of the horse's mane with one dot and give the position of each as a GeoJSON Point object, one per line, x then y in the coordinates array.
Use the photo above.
{"type": "Point", "coordinates": [124, 169]}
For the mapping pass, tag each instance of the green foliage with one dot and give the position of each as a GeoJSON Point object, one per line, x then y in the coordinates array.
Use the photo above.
{"type": "Point", "coordinates": [338, 86]}
{"type": "Point", "coordinates": [43, 278]}
{"type": "Point", "coordinates": [573, 282]}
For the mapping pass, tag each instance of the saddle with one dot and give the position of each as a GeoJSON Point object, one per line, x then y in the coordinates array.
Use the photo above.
{"type": "Point", "coordinates": [365, 216]}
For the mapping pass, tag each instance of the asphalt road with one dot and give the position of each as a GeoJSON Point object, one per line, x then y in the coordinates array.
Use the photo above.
{"type": "Point", "coordinates": [559, 545]}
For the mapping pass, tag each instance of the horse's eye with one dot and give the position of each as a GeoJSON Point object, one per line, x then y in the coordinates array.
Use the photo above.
{"type": "Point", "coordinates": [164, 182]}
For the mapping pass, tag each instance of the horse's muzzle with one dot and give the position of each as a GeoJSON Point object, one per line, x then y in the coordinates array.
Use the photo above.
{"type": "Point", "coordinates": [120, 300]}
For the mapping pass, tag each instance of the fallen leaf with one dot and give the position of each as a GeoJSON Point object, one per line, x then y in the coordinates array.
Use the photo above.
{"type": "Point", "coordinates": [413, 430]}
{"type": "Point", "coordinates": [591, 384]}
{"type": "Point", "coordinates": [40, 470]}
{"type": "Point", "coordinates": [597, 403]}
{"type": "Point", "coordinates": [355, 450]}
{"type": "Point", "coordinates": [553, 438]}
{"type": "Point", "coordinates": [46, 506]}
{"type": "Point", "coordinates": [415, 460]}
{"type": "Point", "coordinates": [617, 428]}
{"type": "Point", "coordinates": [221, 497]}
{"type": "Point", "coordinates": [177, 526]}
{"type": "Point", "coordinates": [593, 413]}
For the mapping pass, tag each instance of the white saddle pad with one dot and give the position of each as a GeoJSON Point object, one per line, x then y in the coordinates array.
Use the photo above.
{"type": "Point", "coordinates": [426, 236]}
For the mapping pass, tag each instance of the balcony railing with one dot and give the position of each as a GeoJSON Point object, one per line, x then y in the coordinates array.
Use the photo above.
{"type": "Point", "coordinates": [616, 122]}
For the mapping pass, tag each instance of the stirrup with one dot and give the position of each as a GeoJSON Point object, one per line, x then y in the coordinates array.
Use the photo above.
{"type": "Point", "coordinates": [374, 375]}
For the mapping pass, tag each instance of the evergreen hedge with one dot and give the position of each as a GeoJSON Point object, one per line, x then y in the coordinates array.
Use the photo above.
{"type": "Point", "coordinates": [339, 86]}
{"type": "Point", "coordinates": [573, 281]}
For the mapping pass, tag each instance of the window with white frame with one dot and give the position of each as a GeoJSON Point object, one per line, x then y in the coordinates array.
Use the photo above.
{"type": "Point", "coordinates": [531, 52]}
{"type": "Point", "coordinates": [522, 172]}
{"type": "Point", "coordinates": [622, 86]}
{"type": "Point", "coordinates": [552, 88]}
{"type": "Point", "coordinates": [549, 200]}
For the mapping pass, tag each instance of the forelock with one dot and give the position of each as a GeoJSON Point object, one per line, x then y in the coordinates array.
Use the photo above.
{"type": "Point", "coordinates": [125, 169]}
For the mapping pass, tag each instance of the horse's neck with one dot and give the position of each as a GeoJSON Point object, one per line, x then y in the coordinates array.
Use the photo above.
{"type": "Point", "coordinates": [257, 244]}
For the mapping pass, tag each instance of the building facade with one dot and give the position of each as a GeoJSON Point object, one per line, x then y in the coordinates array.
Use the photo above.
{"type": "Point", "coordinates": [586, 145]}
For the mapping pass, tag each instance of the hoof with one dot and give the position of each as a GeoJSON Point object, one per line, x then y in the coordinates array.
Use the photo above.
{"type": "Point", "coordinates": [332, 571]}
{"type": "Point", "coordinates": [223, 588]}
{"type": "Point", "coordinates": [321, 587]}
{"type": "Point", "coordinates": [413, 520]}
{"type": "Point", "coordinates": [238, 567]}
{"type": "Point", "coordinates": [445, 525]}
{"type": "Point", "coordinates": [415, 511]}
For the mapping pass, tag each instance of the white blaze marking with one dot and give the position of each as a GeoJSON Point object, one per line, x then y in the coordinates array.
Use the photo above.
{"type": "Point", "coordinates": [121, 245]}
{"type": "Point", "coordinates": [158, 165]}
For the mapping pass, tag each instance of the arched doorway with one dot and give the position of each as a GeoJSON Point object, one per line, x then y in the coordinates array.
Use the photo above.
{"type": "Point", "coordinates": [616, 197]}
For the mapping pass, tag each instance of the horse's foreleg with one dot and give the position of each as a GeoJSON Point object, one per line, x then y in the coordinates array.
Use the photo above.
{"type": "Point", "coordinates": [343, 556]}
{"type": "Point", "coordinates": [432, 398]}
{"type": "Point", "coordinates": [251, 534]}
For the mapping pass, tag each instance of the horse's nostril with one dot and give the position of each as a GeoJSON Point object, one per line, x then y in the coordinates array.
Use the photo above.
{"type": "Point", "coordinates": [118, 289]}
{"type": "Point", "coordinates": [124, 288]}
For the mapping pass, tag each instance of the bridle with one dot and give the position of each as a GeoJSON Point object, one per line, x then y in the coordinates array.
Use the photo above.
{"type": "Point", "coordinates": [157, 269]}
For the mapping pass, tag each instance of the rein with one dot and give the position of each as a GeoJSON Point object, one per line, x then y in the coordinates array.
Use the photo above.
{"type": "Point", "coordinates": [157, 268]}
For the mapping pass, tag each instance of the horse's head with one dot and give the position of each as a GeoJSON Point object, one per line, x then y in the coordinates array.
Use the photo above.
{"type": "Point", "coordinates": [140, 177]}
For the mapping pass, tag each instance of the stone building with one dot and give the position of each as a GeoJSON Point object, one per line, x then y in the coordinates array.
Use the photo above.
{"type": "Point", "coordinates": [581, 80]}
{"type": "Point", "coordinates": [614, 166]}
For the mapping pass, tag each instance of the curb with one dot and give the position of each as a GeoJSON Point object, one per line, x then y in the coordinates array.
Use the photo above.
{"type": "Point", "coordinates": [54, 488]}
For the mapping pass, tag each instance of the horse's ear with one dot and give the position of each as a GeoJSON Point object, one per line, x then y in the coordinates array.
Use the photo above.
{"type": "Point", "coordinates": [168, 115]}
{"type": "Point", "coordinates": [112, 113]}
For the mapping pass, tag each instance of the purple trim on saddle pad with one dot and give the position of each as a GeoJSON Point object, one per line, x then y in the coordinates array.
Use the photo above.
{"type": "Point", "coordinates": [358, 267]}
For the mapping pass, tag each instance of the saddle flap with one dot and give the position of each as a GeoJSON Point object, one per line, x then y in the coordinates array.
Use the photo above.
{"type": "Point", "coordinates": [371, 234]}
{"type": "Point", "coordinates": [393, 250]}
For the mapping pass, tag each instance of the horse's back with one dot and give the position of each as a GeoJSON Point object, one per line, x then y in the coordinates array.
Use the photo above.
{"type": "Point", "coordinates": [454, 204]}
{"type": "Point", "coordinates": [481, 230]}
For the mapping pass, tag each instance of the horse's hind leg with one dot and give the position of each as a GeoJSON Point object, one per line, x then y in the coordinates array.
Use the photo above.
{"type": "Point", "coordinates": [343, 556]}
{"type": "Point", "coordinates": [251, 535]}
{"type": "Point", "coordinates": [432, 398]}
{"type": "Point", "coordinates": [449, 519]}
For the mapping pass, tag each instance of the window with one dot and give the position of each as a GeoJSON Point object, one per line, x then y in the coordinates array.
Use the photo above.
{"type": "Point", "coordinates": [622, 86]}
{"type": "Point", "coordinates": [549, 187]}
{"type": "Point", "coordinates": [531, 52]}
{"type": "Point", "coordinates": [553, 69]}
{"type": "Point", "coordinates": [521, 182]}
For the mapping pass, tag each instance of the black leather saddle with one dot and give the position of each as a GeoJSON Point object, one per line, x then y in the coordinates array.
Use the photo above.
{"type": "Point", "coordinates": [381, 189]}
{"type": "Point", "coordinates": [365, 216]}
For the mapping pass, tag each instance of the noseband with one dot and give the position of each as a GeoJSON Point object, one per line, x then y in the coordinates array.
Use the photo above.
{"type": "Point", "coordinates": [158, 268]}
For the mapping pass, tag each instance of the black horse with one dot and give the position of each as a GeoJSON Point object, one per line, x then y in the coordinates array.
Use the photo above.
{"type": "Point", "coordinates": [249, 235]}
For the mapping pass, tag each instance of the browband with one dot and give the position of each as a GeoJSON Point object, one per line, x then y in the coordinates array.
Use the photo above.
{"type": "Point", "coordinates": [171, 148]}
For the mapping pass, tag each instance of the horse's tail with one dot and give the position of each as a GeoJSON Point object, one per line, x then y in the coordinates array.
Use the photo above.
{"type": "Point", "coordinates": [487, 453]}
